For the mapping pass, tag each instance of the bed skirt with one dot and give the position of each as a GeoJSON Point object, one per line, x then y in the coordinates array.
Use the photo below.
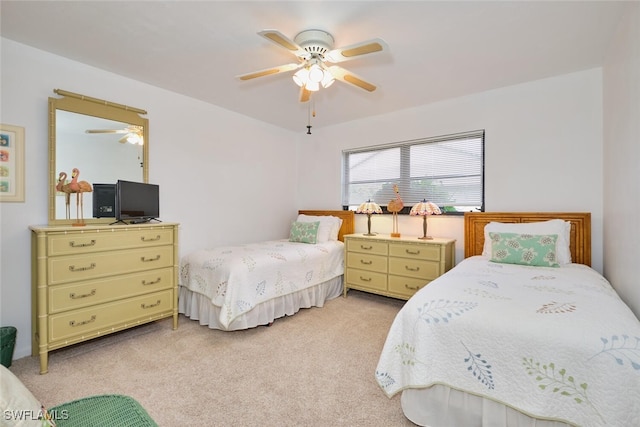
{"type": "Point", "coordinates": [198, 306]}
{"type": "Point", "coordinates": [442, 406]}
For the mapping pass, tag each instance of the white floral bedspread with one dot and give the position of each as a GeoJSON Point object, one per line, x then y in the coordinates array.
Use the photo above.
{"type": "Point", "coordinates": [554, 343]}
{"type": "Point", "coordinates": [237, 278]}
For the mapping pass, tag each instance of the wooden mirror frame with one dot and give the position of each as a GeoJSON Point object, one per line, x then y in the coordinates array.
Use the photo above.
{"type": "Point", "coordinates": [81, 104]}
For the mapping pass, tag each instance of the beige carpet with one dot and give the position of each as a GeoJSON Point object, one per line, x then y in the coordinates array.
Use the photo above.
{"type": "Point", "coordinates": [316, 368]}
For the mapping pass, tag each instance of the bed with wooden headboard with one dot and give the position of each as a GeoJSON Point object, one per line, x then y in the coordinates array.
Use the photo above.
{"type": "Point", "coordinates": [580, 238]}
{"type": "Point", "coordinates": [530, 341]}
{"type": "Point", "coordinates": [243, 286]}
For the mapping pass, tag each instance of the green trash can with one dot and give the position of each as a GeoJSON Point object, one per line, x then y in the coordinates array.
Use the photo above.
{"type": "Point", "coordinates": [7, 344]}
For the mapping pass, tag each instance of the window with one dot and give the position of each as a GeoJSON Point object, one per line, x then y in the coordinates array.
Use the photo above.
{"type": "Point", "coordinates": [446, 170]}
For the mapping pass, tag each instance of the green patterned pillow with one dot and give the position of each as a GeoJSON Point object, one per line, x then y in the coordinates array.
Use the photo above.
{"type": "Point", "coordinates": [304, 232]}
{"type": "Point", "coordinates": [524, 249]}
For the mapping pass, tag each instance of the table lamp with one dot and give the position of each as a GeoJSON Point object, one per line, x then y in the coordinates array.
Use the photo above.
{"type": "Point", "coordinates": [369, 208]}
{"type": "Point", "coordinates": [425, 209]}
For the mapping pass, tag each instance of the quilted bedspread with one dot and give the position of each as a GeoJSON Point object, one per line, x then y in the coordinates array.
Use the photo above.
{"type": "Point", "coordinates": [554, 343]}
{"type": "Point", "coordinates": [237, 278]}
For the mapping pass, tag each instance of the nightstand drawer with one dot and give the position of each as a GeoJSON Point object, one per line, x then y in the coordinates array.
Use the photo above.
{"type": "Point", "coordinates": [367, 246]}
{"type": "Point", "coordinates": [407, 250]}
{"type": "Point", "coordinates": [367, 279]}
{"type": "Point", "coordinates": [406, 286]}
{"type": "Point", "coordinates": [367, 262]}
{"type": "Point", "coordinates": [414, 268]}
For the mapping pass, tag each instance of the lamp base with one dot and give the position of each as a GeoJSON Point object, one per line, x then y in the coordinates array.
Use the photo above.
{"type": "Point", "coordinates": [395, 234]}
{"type": "Point", "coordinates": [425, 238]}
{"type": "Point", "coordinates": [369, 234]}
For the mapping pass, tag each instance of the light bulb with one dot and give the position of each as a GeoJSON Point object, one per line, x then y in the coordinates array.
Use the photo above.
{"type": "Point", "coordinates": [315, 73]}
{"type": "Point", "coordinates": [312, 86]}
{"type": "Point", "coordinates": [301, 77]}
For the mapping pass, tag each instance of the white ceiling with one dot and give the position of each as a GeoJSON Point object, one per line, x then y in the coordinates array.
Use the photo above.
{"type": "Point", "coordinates": [437, 49]}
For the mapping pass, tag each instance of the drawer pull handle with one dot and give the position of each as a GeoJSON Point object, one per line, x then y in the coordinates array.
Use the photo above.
{"type": "Point", "coordinates": [412, 269]}
{"type": "Point", "coordinates": [144, 239]}
{"type": "Point", "coordinates": [412, 252]}
{"type": "Point", "coordinates": [73, 295]}
{"type": "Point", "coordinates": [366, 262]}
{"type": "Point", "coordinates": [412, 288]}
{"type": "Point", "coordinates": [145, 306]}
{"type": "Point", "coordinates": [82, 245]}
{"type": "Point", "coordinates": [366, 248]}
{"type": "Point", "coordinates": [73, 323]}
{"type": "Point", "coordinates": [143, 259]}
{"type": "Point", "coordinates": [90, 267]}
{"type": "Point", "coordinates": [367, 279]}
{"type": "Point", "coordinates": [145, 283]}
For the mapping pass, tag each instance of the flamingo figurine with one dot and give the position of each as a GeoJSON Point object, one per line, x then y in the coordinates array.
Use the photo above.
{"type": "Point", "coordinates": [64, 188]}
{"type": "Point", "coordinates": [79, 187]}
{"type": "Point", "coordinates": [395, 206]}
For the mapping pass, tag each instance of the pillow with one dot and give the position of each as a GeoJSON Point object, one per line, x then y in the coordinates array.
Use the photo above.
{"type": "Point", "coordinates": [17, 402]}
{"type": "Point", "coordinates": [304, 232]}
{"type": "Point", "coordinates": [524, 249]}
{"type": "Point", "coordinates": [329, 226]}
{"type": "Point", "coordinates": [555, 226]}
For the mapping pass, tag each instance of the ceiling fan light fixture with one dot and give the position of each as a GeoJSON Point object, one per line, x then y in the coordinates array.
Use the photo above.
{"type": "Point", "coordinates": [327, 80]}
{"type": "Point", "coordinates": [315, 73]}
{"type": "Point", "coordinates": [312, 86]}
{"type": "Point", "coordinates": [301, 77]}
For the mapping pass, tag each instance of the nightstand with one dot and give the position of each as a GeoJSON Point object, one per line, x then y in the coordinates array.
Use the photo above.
{"type": "Point", "coordinates": [395, 266]}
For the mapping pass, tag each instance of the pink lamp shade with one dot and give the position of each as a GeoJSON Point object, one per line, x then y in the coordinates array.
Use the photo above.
{"type": "Point", "coordinates": [425, 209]}
{"type": "Point", "coordinates": [369, 208]}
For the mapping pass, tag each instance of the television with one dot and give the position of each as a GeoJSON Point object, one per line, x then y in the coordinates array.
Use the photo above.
{"type": "Point", "coordinates": [137, 202]}
{"type": "Point", "coordinates": [104, 200]}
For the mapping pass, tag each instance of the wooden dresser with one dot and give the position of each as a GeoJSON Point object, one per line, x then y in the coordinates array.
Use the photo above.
{"type": "Point", "coordinates": [98, 279]}
{"type": "Point", "coordinates": [395, 266]}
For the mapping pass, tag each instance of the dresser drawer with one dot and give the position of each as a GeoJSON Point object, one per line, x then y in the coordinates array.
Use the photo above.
{"type": "Point", "coordinates": [367, 262]}
{"type": "Point", "coordinates": [367, 279]}
{"type": "Point", "coordinates": [407, 250]}
{"type": "Point", "coordinates": [367, 246]}
{"type": "Point", "coordinates": [97, 241]}
{"type": "Point", "coordinates": [89, 266]}
{"type": "Point", "coordinates": [67, 325]}
{"type": "Point", "coordinates": [76, 295]}
{"type": "Point", "coordinates": [414, 268]}
{"type": "Point", "coordinates": [406, 286]}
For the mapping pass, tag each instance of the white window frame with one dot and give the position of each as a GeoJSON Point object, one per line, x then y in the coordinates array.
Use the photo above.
{"type": "Point", "coordinates": [447, 170]}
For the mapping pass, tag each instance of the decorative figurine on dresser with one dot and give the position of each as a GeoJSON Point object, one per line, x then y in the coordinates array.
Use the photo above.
{"type": "Point", "coordinates": [105, 276]}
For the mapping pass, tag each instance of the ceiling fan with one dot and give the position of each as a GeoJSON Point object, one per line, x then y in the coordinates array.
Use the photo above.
{"type": "Point", "coordinates": [132, 134]}
{"type": "Point", "coordinates": [316, 54]}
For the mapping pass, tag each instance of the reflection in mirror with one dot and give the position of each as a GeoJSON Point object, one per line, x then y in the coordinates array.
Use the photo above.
{"type": "Point", "coordinates": [99, 149]}
{"type": "Point", "coordinates": [104, 141]}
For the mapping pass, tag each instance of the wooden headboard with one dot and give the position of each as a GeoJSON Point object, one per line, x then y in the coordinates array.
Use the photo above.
{"type": "Point", "coordinates": [348, 220]}
{"type": "Point", "coordinates": [580, 239]}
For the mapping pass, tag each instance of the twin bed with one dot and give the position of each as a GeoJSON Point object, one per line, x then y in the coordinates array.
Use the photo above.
{"type": "Point", "coordinates": [244, 286]}
{"type": "Point", "coordinates": [497, 343]}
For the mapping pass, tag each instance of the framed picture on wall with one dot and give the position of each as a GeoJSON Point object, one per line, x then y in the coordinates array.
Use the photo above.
{"type": "Point", "coordinates": [11, 163]}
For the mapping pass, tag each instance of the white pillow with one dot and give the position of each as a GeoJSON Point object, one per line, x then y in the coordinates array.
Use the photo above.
{"type": "Point", "coordinates": [15, 398]}
{"type": "Point", "coordinates": [328, 229]}
{"type": "Point", "coordinates": [554, 226]}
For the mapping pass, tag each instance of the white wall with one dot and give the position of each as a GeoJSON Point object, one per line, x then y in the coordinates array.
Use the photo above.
{"type": "Point", "coordinates": [207, 161]}
{"type": "Point", "coordinates": [543, 151]}
{"type": "Point", "coordinates": [622, 160]}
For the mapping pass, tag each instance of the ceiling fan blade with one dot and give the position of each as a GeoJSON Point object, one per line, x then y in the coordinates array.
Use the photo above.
{"type": "Point", "coordinates": [269, 71]}
{"type": "Point", "coordinates": [351, 78]}
{"type": "Point", "coordinates": [355, 50]}
{"type": "Point", "coordinates": [305, 95]}
{"type": "Point", "coordinates": [281, 40]}
{"type": "Point", "coordinates": [107, 131]}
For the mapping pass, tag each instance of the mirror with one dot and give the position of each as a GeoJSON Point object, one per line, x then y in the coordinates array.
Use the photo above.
{"type": "Point", "coordinates": [102, 140]}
